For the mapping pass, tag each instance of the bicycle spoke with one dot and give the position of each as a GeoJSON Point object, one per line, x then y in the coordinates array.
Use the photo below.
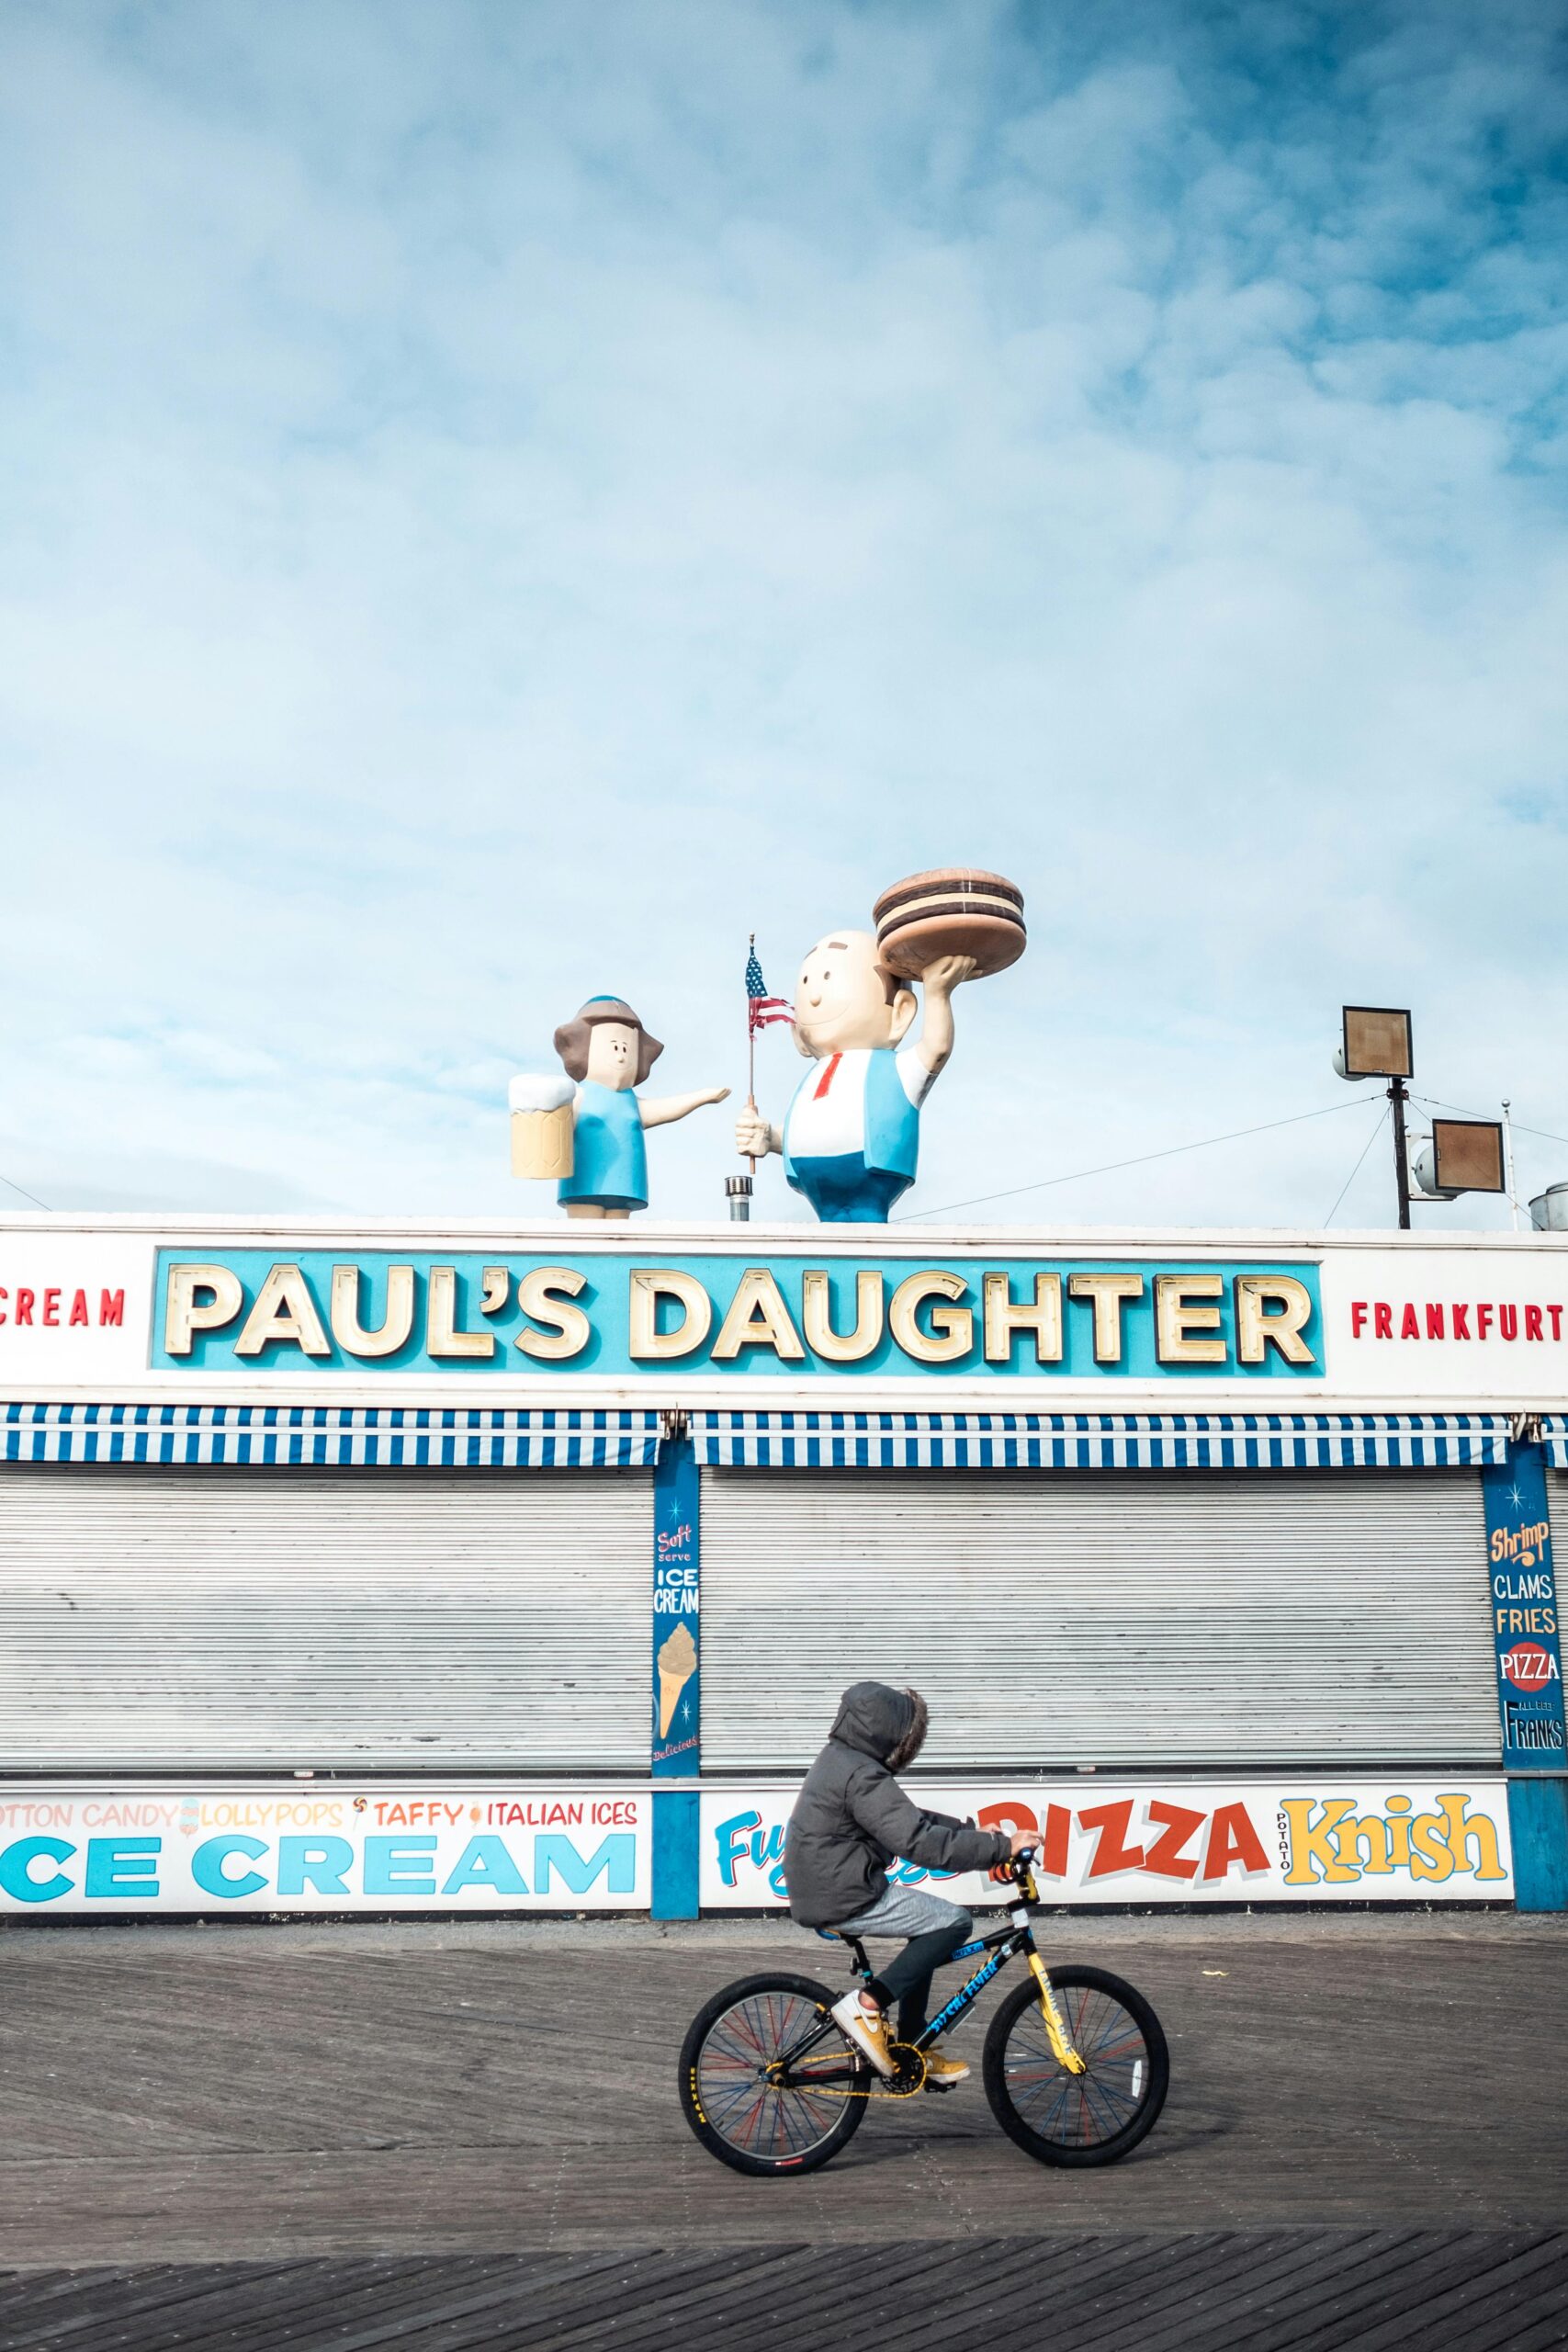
{"type": "Point", "coordinates": [752, 2112]}
{"type": "Point", "coordinates": [1077, 2110]}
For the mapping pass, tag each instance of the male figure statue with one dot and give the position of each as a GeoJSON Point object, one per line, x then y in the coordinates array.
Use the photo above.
{"type": "Point", "coordinates": [851, 1137]}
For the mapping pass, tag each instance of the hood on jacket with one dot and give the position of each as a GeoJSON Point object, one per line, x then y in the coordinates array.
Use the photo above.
{"type": "Point", "coordinates": [877, 1721]}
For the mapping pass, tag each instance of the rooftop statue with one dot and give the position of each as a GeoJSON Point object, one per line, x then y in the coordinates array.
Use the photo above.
{"type": "Point", "coordinates": [586, 1130]}
{"type": "Point", "coordinates": [851, 1137]}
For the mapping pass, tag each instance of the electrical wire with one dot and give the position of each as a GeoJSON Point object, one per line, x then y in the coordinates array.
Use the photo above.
{"type": "Point", "coordinates": [1205, 1143]}
{"type": "Point", "coordinates": [1432, 1102]}
{"type": "Point", "coordinates": [24, 1191]}
{"type": "Point", "coordinates": [1357, 1169]}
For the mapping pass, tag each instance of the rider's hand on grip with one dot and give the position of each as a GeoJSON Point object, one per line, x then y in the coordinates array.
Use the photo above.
{"type": "Point", "coordinates": [1023, 1844]}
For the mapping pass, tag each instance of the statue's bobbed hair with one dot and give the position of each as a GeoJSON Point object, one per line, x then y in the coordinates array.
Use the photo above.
{"type": "Point", "coordinates": [571, 1037]}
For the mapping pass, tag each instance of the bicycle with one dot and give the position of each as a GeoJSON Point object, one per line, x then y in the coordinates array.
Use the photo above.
{"type": "Point", "coordinates": [1075, 2067]}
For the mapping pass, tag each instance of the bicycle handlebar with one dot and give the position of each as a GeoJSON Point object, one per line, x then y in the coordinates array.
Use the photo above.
{"type": "Point", "coordinates": [1016, 1868]}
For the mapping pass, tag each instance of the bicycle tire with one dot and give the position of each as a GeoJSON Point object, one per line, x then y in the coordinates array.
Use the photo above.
{"type": "Point", "coordinates": [757, 2133]}
{"type": "Point", "coordinates": [1059, 2119]}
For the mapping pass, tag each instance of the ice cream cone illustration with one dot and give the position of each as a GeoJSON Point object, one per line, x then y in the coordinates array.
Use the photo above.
{"type": "Point", "coordinates": [677, 1662]}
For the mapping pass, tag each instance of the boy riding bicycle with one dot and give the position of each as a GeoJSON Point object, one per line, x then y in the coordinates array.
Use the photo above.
{"type": "Point", "coordinates": [850, 1820]}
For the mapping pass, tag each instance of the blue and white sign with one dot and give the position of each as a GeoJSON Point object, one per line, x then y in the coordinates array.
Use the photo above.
{"type": "Point", "coordinates": [1524, 1611]}
{"type": "Point", "coordinates": [607, 1316]}
{"type": "Point", "coordinates": [676, 1747]}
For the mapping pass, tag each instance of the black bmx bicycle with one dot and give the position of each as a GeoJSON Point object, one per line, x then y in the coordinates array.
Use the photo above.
{"type": "Point", "coordinates": [1076, 2066]}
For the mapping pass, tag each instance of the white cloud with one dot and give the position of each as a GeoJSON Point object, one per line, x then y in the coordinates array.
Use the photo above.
{"type": "Point", "coordinates": [503, 503]}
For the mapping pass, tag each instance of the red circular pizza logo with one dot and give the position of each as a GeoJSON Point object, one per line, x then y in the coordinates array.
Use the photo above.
{"type": "Point", "coordinates": [1528, 1667]}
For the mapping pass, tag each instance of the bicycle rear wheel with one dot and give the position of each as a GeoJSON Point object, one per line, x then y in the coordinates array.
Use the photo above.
{"type": "Point", "coordinates": [737, 2113]}
{"type": "Point", "coordinates": [1089, 2118]}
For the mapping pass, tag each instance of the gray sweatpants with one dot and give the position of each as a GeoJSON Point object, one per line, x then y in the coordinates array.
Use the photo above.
{"type": "Point", "coordinates": [935, 1928]}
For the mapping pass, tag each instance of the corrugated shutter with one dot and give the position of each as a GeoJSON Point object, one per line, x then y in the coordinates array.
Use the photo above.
{"type": "Point", "coordinates": [1144, 1618]}
{"type": "Point", "coordinates": [156, 1618]}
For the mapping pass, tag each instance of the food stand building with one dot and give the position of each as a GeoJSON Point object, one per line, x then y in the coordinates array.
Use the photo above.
{"type": "Point", "coordinates": [369, 1566]}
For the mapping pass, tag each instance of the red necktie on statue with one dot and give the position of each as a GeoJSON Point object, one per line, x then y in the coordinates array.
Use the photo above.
{"type": "Point", "coordinates": [825, 1080]}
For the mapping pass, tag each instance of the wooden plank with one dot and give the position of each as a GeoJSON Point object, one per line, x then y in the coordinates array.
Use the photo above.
{"type": "Point", "coordinates": [194, 2094]}
{"type": "Point", "coordinates": [1313, 2290]}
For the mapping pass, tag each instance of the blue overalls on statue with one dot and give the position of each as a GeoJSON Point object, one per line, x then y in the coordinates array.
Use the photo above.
{"type": "Point", "coordinates": [609, 1157]}
{"type": "Point", "coordinates": [858, 1187]}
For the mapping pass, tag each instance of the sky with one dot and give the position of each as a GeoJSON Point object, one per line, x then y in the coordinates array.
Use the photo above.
{"type": "Point", "coordinates": [501, 501]}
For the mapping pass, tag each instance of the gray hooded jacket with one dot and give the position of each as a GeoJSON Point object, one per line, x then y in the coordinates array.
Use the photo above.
{"type": "Point", "coordinates": [851, 1818]}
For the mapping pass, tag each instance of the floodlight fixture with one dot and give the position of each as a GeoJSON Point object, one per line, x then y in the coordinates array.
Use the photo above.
{"type": "Point", "coordinates": [1460, 1155]}
{"type": "Point", "coordinates": [1467, 1155]}
{"type": "Point", "coordinates": [1375, 1043]}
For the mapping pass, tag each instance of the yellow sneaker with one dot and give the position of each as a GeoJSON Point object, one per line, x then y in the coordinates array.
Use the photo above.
{"type": "Point", "coordinates": [867, 2030]}
{"type": "Point", "coordinates": [946, 2072]}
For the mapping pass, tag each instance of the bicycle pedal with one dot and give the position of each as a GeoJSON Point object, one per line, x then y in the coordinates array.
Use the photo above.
{"type": "Point", "coordinates": [939, 2090]}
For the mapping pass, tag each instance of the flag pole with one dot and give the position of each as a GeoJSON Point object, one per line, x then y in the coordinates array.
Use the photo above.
{"type": "Point", "coordinates": [751, 1061]}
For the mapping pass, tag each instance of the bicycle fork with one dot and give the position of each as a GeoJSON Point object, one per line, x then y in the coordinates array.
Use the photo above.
{"type": "Point", "coordinates": [1056, 2024]}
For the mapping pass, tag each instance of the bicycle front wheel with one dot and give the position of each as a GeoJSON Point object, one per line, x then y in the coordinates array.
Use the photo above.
{"type": "Point", "coordinates": [1089, 2118]}
{"type": "Point", "coordinates": [728, 2094]}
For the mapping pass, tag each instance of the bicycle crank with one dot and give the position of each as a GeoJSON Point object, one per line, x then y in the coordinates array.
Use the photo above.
{"type": "Point", "coordinates": [907, 2077]}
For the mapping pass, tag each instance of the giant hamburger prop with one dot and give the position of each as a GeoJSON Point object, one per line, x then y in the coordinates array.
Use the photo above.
{"type": "Point", "coordinates": [952, 911]}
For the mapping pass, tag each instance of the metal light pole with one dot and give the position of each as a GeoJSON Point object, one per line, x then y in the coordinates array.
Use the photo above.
{"type": "Point", "coordinates": [1374, 1042]}
{"type": "Point", "coordinates": [1509, 1177]}
{"type": "Point", "coordinates": [1460, 1155]}
{"type": "Point", "coordinates": [1399, 1095]}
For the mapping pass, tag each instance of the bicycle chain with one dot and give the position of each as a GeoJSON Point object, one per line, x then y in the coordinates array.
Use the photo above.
{"type": "Point", "coordinates": [832, 2090]}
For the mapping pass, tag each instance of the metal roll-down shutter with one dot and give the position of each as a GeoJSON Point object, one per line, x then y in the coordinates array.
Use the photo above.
{"type": "Point", "coordinates": [163, 1618]}
{"type": "Point", "coordinates": [1144, 1618]}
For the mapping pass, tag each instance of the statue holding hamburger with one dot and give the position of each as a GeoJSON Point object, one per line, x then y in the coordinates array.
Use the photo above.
{"type": "Point", "coordinates": [850, 1137]}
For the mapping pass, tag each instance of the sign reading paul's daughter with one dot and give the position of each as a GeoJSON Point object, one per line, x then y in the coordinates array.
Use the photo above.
{"type": "Point", "coordinates": [588, 1135]}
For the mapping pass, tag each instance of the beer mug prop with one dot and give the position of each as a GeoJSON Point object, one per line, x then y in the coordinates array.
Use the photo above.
{"type": "Point", "coordinates": [542, 1126]}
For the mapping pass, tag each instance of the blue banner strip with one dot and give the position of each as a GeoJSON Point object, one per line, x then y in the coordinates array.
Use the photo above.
{"type": "Point", "coordinates": [675, 1841]}
{"type": "Point", "coordinates": [1523, 1593]}
{"type": "Point", "coordinates": [675, 1741]}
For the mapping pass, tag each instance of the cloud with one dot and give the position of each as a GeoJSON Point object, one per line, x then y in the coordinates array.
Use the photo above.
{"type": "Point", "coordinates": [503, 503]}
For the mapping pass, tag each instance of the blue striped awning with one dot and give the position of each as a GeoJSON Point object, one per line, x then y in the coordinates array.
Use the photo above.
{"type": "Point", "coordinates": [1555, 1437]}
{"type": "Point", "coordinates": [1098, 1441]}
{"type": "Point", "coordinates": [330, 1437]}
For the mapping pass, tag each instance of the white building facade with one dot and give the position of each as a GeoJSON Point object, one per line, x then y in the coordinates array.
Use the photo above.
{"type": "Point", "coordinates": [353, 1566]}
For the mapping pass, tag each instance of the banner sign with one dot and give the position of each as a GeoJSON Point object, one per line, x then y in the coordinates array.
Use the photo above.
{"type": "Point", "coordinates": [1478, 1317]}
{"type": "Point", "coordinates": [296, 1846]}
{"type": "Point", "coordinates": [605, 1315]}
{"type": "Point", "coordinates": [128, 1848]}
{"type": "Point", "coordinates": [1313, 1840]}
{"type": "Point", "coordinates": [677, 1614]}
{"type": "Point", "coordinates": [1524, 1611]}
{"type": "Point", "coordinates": [73, 1305]}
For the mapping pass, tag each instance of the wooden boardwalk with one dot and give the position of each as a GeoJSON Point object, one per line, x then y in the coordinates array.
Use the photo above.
{"type": "Point", "coordinates": [1308, 2291]}
{"type": "Point", "coordinates": [453, 2134]}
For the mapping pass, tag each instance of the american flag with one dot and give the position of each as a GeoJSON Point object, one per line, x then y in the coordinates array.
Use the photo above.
{"type": "Point", "coordinates": [761, 1008]}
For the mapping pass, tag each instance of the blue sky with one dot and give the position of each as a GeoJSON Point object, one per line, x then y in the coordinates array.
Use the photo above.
{"type": "Point", "coordinates": [503, 500]}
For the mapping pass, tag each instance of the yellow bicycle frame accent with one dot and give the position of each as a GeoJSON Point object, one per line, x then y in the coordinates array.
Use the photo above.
{"type": "Point", "coordinates": [1055, 2026]}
